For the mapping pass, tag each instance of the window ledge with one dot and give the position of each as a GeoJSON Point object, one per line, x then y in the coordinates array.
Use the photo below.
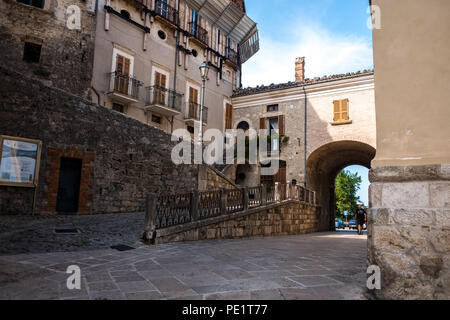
{"type": "Point", "coordinates": [341, 123]}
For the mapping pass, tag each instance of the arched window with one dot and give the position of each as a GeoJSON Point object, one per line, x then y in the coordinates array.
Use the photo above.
{"type": "Point", "coordinates": [243, 125]}
{"type": "Point", "coordinates": [125, 14]}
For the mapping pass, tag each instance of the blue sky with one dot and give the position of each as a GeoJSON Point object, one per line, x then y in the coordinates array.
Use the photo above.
{"type": "Point", "coordinates": [331, 34]}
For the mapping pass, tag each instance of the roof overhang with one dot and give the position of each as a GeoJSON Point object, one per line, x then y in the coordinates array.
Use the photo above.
{"type": "Point", "coordinates": [232, 20]}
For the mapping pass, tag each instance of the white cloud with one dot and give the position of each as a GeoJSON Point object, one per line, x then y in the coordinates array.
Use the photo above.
{"type": "Point", "coordinates": [325, 54]}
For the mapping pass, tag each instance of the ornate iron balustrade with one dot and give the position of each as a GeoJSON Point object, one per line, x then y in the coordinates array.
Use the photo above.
{"type": "Point", "coordinates": [164, 97]}
{"type": "Point", "coordinates": [193, 112]}
{"type": "Point", "coordinates": [255, 196]}
{"type": "Point", "coordinates": [167, 12]}
{"type": "Point", "coordinates": [124, 84]}
{"type": "Point", "coordinates": [232, 55]}
{"type": "Point", "coordinates": [172, 210]}
{"type": "Point", "coordinates": [198, 32]}
{"type": "Point", "coordinates": [209, 204]}
{"type": "Point", "coordinates": [235, 201]}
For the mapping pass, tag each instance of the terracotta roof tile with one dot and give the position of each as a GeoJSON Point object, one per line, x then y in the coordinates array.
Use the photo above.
{"type": "Point", "coordinates": [293, 84]}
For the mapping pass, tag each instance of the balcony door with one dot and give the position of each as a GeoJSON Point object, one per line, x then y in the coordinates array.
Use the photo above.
{"type": "Point", "coordinates": [193, 104]}
{"type": "Point", "coordinates": [122, 75]}
{"type": "Point", "coordinates": [160, 88]}
{"type": "Point", "coordinates": [162, 8]}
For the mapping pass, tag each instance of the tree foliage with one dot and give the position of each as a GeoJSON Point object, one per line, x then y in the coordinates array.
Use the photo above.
{"type": "Point", "coordinates": [347, 185]}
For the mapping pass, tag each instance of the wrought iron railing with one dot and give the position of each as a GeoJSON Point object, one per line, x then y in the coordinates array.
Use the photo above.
{"type": "Point", "coordinates": [167, 12]}
{"type": "Point", "coordinates": [232, 55]}
{"type": "Point", "coordinates": [164, 97]}
{"type": "Point", "coordinates": [124, 84]}
{"type": "Point", "coordinates": [198, 32]}
{"type": "Point", "coordinates": [171, 210]}
{"type": "Point", "coordinates": [193, 112]}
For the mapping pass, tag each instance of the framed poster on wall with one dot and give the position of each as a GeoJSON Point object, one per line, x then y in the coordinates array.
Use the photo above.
{"type": "Point", "coordinates": [19, 161]}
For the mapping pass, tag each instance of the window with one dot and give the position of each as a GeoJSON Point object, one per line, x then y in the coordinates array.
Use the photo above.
{"type": "Point", "coordinates": [162, 35]}
{"type": "Point", "coordinates": [193, 103]}
{"type": "Point", "coordinates": [118, 107]}
{"type": "Point", "coordinates": [32, 52]}
{"type": "Point", "coordinates": [228, 116]}
{"type": "Point", "coordinates": [275, 129]}
{"type": "Point", "coordinates": [160, 88]}
{"type": "Point", "coordinates": [156, 119]}
{"type": "Point", "coordinates": [272, 108]}
{"type": "Point", "coordinates": [340, 110]}
{"type": "Point", "coordinates": [243, 125]}
{"type": "Point", "coordinates": [34, 3]}
{"type": "Point", "coordinates": [122, 79]}
{"type": "Point", "coordinates": [194, 22]}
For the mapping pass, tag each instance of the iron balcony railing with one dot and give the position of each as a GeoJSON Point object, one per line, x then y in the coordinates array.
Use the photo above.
{"type": "Point", "coordinates": [198, 32]}
{"type": "Point", "coordinates": [124, 84]}
{"type": "Point", "coordinates": [193, 112]}
{"type": "Point", "coordinates": [232, 55]}
{"type": "Point", "coordinates": [164, 97]}
{"type": "Point", "coordinates": [167, 12]}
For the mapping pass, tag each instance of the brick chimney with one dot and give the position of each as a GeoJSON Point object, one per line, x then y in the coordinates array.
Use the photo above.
{"type": "Point", "coordinates": [300, 69]}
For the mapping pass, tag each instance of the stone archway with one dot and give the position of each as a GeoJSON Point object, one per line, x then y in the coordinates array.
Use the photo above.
{"type": "Point", "coordinates": [325, 163]}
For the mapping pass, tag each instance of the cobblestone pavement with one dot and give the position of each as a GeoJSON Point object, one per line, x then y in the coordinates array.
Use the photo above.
{"type": "Point", "coordinates": [32, 234]}
{"type": "Point", "coordinates": [314, 266]}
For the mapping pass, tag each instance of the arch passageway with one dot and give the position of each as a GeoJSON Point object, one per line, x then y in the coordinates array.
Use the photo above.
{"type": "Point", "coordinates": [325, 163]}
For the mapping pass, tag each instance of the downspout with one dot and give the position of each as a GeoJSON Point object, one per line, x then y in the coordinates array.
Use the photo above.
{"type": "Point", "coordinates": [177, 43]}
{"type": "Point", "coordinates": [305, 136]}
{"type": "Point", "coordinates": [97, 94]}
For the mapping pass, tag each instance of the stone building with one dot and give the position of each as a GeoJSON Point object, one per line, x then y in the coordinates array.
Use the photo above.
{"type": "Point", "coordinates": [37, 42]}
{"type": "Point", "coordinates": [148, 53]}
{"type": "Point", "coordinates": [409, 231]}
{"type": "Point", "coordinates": [338, 126]}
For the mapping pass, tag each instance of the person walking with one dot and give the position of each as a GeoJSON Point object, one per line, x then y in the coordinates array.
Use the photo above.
{"type": "Point", "coordinates": [361, 218]}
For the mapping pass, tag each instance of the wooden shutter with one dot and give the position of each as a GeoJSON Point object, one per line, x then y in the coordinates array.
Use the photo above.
{"type": "Point", "coordinates": [281, 128]}
{"type": "Point", "coordinates": [336, 111]}
{"type": "Point", "coordinates": [262, 123]}
{"type": "Point", "coordinates": [344, 110]}
{"type": "Point", "coordinates": [193, 103]}
{"type": "Point", "coordinates": [229, 116]}
{"type": "Point", "coordinates": [280, 176]}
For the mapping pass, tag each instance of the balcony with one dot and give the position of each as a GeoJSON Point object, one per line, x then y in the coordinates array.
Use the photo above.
{"type": "Point", "coordinates": [163, 101]}
{"type": "Point", "coordinates": [232, 56]}
{"type": "Point", "coordinates": [192, 113]}
{"type": "Point", "coordinates": [170, 14]}
{"type": "Point", "coordinates": [123, 88]}
{"type": "Point", "coordinates": [198, 33]}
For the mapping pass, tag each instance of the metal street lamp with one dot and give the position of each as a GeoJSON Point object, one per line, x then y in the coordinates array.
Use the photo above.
{"type": "Point", "coordinates": [204, 69]}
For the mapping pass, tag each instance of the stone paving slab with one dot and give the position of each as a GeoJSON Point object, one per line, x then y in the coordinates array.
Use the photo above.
{"type": "Point", "coordinates": [313, 266]}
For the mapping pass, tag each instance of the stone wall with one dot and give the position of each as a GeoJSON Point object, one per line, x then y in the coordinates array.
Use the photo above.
{"type": "Point", "coordinates": [67, 56]}
{"type": "Point", "coordinates": [129, 159]}
{"type": "Point", "coordinates": [286, 218]}
{"type": "Point", "coordinates": [409, 231]}
{"type": "Point", "coordinates": [211, 179]}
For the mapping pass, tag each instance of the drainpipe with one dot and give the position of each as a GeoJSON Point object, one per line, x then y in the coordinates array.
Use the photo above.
{"type": "Point", "coordinates": [97, 94]}
{"type": "Point", "coordinates": [177, 42]}
{"type": "Point", "coordinates": [305, 136]}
